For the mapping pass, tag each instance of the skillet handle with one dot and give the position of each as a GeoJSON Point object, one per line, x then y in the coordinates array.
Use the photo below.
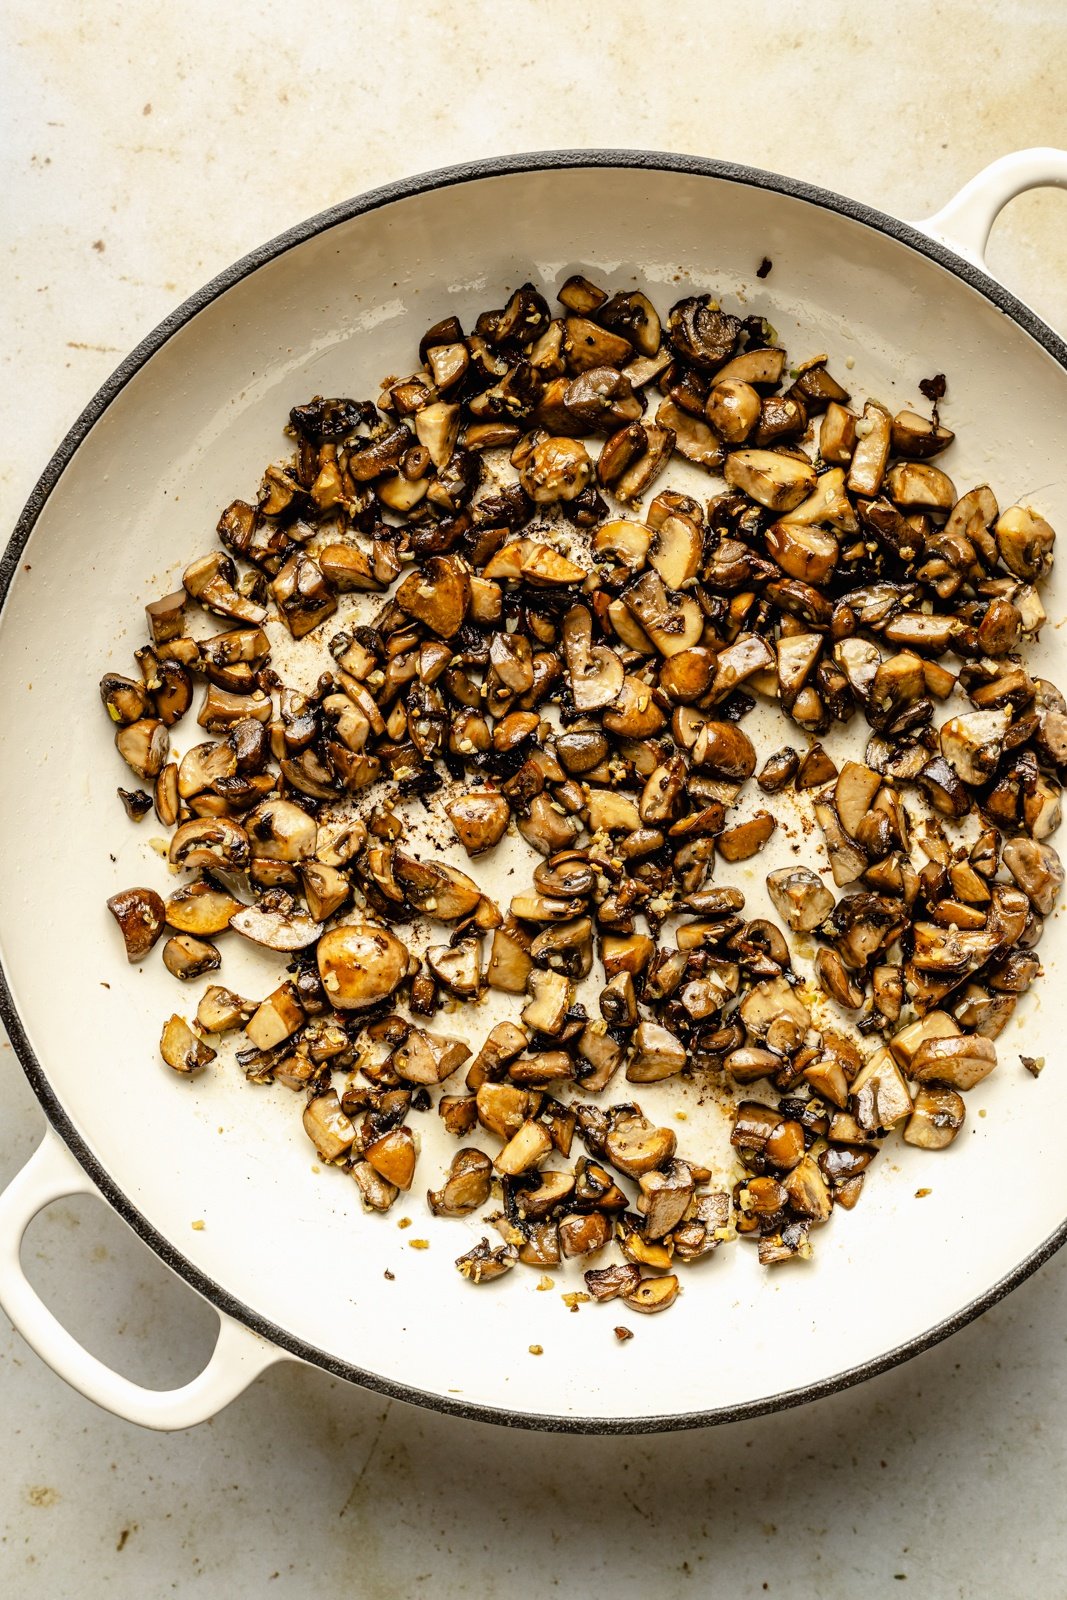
{"type": "Point", "coordinates": [238, 1357]}
{"type": "Point", "coordinates": [965, 223]}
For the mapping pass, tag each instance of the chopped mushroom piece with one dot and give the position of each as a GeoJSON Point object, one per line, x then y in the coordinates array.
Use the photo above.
{"type": "Point", "coordinates": [936, 1119]}
{"type": "Point", "coordinates": [182, 1050]}
{"type": "Point", "coordinates": [482, 1264]}
{"type": "Point", "coordinates": [140, 914]}
{"type": "Point", "coordinates": [653, 1294]}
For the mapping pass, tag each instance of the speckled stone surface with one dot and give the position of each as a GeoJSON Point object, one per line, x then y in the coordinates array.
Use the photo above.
{"type": "Point", "coordinates": [143, 149]}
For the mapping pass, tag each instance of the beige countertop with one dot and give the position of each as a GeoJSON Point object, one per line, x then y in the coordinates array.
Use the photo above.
{"type": "Point", "coordinates": [144, 149]}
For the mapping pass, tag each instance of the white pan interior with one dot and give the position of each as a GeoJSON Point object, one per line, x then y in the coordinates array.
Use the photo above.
{"type": "Point", "coordinates": [193, 429]}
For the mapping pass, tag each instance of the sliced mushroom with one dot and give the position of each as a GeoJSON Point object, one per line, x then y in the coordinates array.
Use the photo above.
{"type": "Point", "coordinates": [880, 1096]}
{"type": "Point", "coordinates": [874, 433]}
{"type": "Point", "coordinates": [213, 842]}
{"type": "Point", "coordinates": [776, 481]}
{"type": "Point", "coordinates": [653, 1294]}
{"type": "Point", "coordinates": [665, 1198]}
{"type": "Point", "coordinates": [960, 1060]}
{"type": "Point", "coordinates": [636, 1146]}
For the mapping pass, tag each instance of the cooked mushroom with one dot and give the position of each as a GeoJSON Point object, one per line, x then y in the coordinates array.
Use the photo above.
{"type": "Point", "coordinates": [960, 1060]}
{"type": "Point", "coordinates": [1024, 541]}
{"type": "Point", "coordinates": [140, 914]}
{"type": "Point", "coordinates": [438, 595]}
{"type": "Point", "coordinates": [187, 957]}
{"type": "Point", "coordinates": [278, 924]}
{"type": "Point", "coordinates": [143, 745]}
{"type": "Point", "coordinates": [776, 481]}
{"type": "Point", "coordinates": [869, 457]}
{"type": "Point", "coordinates": [213, 842]}
{"type": "Point", "coordinates": [326, 1125]}
{"type": "Point", "coordinates": [1037, 870]}
{"type": "Point", "coordinates": [201, 908]}
{"type": "Point", "coordinates": [360, 965]}
{"type": "Point", "coordinates": [182, 1050]}
{"type": "Point", "coordinates": [482, 1264]}
{"type": "Point", "coordinates": [800, 897]}
{"type": "Point", "coordinates": [657, 1053]}
{"type": "Point", "coordinates": [467, 1186]}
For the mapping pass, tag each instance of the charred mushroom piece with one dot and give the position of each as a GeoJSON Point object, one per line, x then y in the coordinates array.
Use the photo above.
{"type": "Point", "coordinates": [140, 914]}
{"type": "Point", "coordinates": [482, 1264]}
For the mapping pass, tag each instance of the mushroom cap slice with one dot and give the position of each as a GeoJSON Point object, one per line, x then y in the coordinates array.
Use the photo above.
{"type": "Point", "coordinates": [360, 964]}
{"type": "Point", "coordinates": [278, 928]}
{"type": "Point", "coordinates": [776, 481]}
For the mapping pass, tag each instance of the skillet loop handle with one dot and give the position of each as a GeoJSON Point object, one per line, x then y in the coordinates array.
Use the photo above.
{"type": "Point", "coordinates": [965, 223]}
{"type": "Point", "coordinates": [238, 1357]}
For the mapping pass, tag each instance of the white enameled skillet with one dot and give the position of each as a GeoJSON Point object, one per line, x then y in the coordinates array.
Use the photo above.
{"type": "Point", "coordinates": [286, 1256]}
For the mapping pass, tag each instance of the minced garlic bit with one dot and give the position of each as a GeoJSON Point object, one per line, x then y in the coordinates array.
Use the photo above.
{"type": "Point", "coordinates": [199, 1225]}
{"type": "Point", "coordinates": [537, 1350]}
{"type": "Point", "coordinates": [545, 1282]}
{"type": "Point", "coordinates": [419, 1244]}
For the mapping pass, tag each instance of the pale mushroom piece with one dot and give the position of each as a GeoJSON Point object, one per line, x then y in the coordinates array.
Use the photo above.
{"type": "Point", "coordinates": [732, 409]}
{"type": "Point", "coordinates": [1025, 542]}
{"type": "Point", "coordinates": [457, 967]}
{"type": "Point", "coordinates": [672, 623]}
{"type": "Point", "coordinates": [220, 1010]}
{"type": "Point", "coordinates": [326, 1125]}
{"type": "Point", "coordinates": [879, 1094]}
{"type": "Point", "coordinates": [276, 1019]}
{"type": "Point", "coordinates": [972, 744]}
{"type": "Point", "coordinates": [182, 1050]}
{"type": "Point", "coordinates": [144, 745]}
{"type": "Point", "coordinates": [915, 486]}
{"type": "Point", "coordinates": [549, 1002]}
{"type": "Point", "coordinates": [847, 861]}
{"type": "Point", "coordinates": [467, 1185]}
{"type": "Point", "coordinates": [800, 897]}
{"type": "Point", "coordinates": [871, 453]}
{"type": "Point", "coordinates": [779, 482]}
{"type": "Point", "coordinates": [596, 672]}
{"type": "Point", "coordinates": [664, 1198]}
{"type": "Point", "coordinates": [657, 1054]}
{"type": "Point", "coordinates": [528, 1146]}
{"type": "Point", "coordinates": [279, 926]}
{"type": "Point", "coordinates": [854, 792]}
{"type": "Point", "coordinates": [187, 957]}
{"type": "Point", "coordinates": [918, 438]}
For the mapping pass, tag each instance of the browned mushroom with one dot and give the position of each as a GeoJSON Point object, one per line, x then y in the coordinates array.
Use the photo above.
{"type": "Point", "coordinates": [140, 914]}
